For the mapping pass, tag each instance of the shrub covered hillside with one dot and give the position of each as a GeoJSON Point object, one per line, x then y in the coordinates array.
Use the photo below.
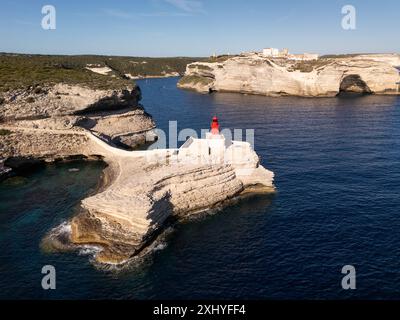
{"type": "Point", "coordinates": [20, 70]}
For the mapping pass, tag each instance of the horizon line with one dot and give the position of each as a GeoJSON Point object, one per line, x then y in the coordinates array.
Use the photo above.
{"type": "Point", "coordinates": [172, 56]}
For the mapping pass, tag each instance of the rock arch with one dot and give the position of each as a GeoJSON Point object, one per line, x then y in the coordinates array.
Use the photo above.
{"type": "Point", "coordinates": [353, 83]}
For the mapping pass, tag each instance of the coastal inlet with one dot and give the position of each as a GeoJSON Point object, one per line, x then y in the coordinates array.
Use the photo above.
{"type": "Point", "coordinates": [142, 192]}
{"type": "Point", "coordinates": [336, 165]}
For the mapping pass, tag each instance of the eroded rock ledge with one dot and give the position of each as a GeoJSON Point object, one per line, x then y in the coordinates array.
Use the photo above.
{"type": "Point", "coordinates": [51, 122]}
{"type": "Point", "coordinates": [143, 190]}
{"type": "Point", "coordinates": [325, 77]}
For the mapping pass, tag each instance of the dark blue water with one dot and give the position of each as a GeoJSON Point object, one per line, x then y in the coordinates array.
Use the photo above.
{"type": "Point", "coordinates": [337, 166]}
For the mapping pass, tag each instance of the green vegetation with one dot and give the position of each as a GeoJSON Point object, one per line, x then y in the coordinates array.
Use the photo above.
{"type": "Point", "coordinates": [337, 56]}
{"type": "Point", "coordinates": [140, 66]}
{"type": "Point", "coordinates": [308, 66]}
{"type": "Point", "coordinates": [220, 58]}
{"type": "Point", "coordinates": [200, 67]}
{"type": "Point", "coordinates": [21, 71]}
{"type": "Point", "coordinates": [4, 132]}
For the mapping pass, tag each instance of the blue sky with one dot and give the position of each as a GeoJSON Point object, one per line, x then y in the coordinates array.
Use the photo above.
{"type": "Point", "coordinates": [198, 27]}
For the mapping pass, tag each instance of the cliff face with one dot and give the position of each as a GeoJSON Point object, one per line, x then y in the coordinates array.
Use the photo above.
{"type": "Point", "coordinates": [145, 189]}
{"type": "Point", "coordinates": [126, 216]}
{"type": "Point", "coordinates": [50, 122]}
{"type": "Point", "coordinates": [255, 74]}
{"type": "Point", "coordinates": [141, 190]}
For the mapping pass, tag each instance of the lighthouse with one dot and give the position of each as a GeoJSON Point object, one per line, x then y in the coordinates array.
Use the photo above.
{"type": "Point", "coordinates": [215, 126]}
{"type": "Point", "coordinates": [214, 133]}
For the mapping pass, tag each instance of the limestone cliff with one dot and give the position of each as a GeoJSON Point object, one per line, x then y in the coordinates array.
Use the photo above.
{"type": "Point", "coordinates": [327, 76]}
{"type": "Point", "coordinates": [127, 215]}
{"type": "Point", "coordinates": [145, 189]}
{"type": "Point", "coordinates": [50, 122]}
{"type": "Point", "coordinates": [141, 191]}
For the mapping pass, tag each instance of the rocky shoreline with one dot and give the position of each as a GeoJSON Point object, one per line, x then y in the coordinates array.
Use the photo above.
{"type": "Point", "coordinates": [51, 122]}
{"type": "Point", "coordinates": [5, 172]}
{"type": "Point", "coordinates": [159, 76]}
{"type": "Point", "coordinates": [128, 214]}
{"type": "Point", "coordinates": [141, 192]}
{"type": "Point", "coordinates": [325, 77]}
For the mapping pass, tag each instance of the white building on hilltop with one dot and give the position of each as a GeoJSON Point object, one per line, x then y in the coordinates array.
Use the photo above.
{"type": "Point", "coordinates": [270, 52]}
{"type": "Point", "coordinates": [284, 53]}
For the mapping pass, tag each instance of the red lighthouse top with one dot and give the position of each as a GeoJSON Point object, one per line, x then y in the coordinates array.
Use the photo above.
{"type": "Point", "coordinates": [215, 126]}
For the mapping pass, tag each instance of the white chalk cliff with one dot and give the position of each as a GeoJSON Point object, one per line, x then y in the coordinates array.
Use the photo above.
{"type": "Point", "coordinates": [145, 189]}
{"type": "Point", "coordinates": [255, 74]}
{"type": "Point", "coordinates": [141, 191]}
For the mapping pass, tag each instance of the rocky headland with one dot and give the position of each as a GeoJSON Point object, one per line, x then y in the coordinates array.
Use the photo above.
{"type": "Point", "coordinates": [51, 122]}
{"type": "Point", "coordinates": [141, 192]}
{"type": "Point", "coordinates": [327, 76]}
